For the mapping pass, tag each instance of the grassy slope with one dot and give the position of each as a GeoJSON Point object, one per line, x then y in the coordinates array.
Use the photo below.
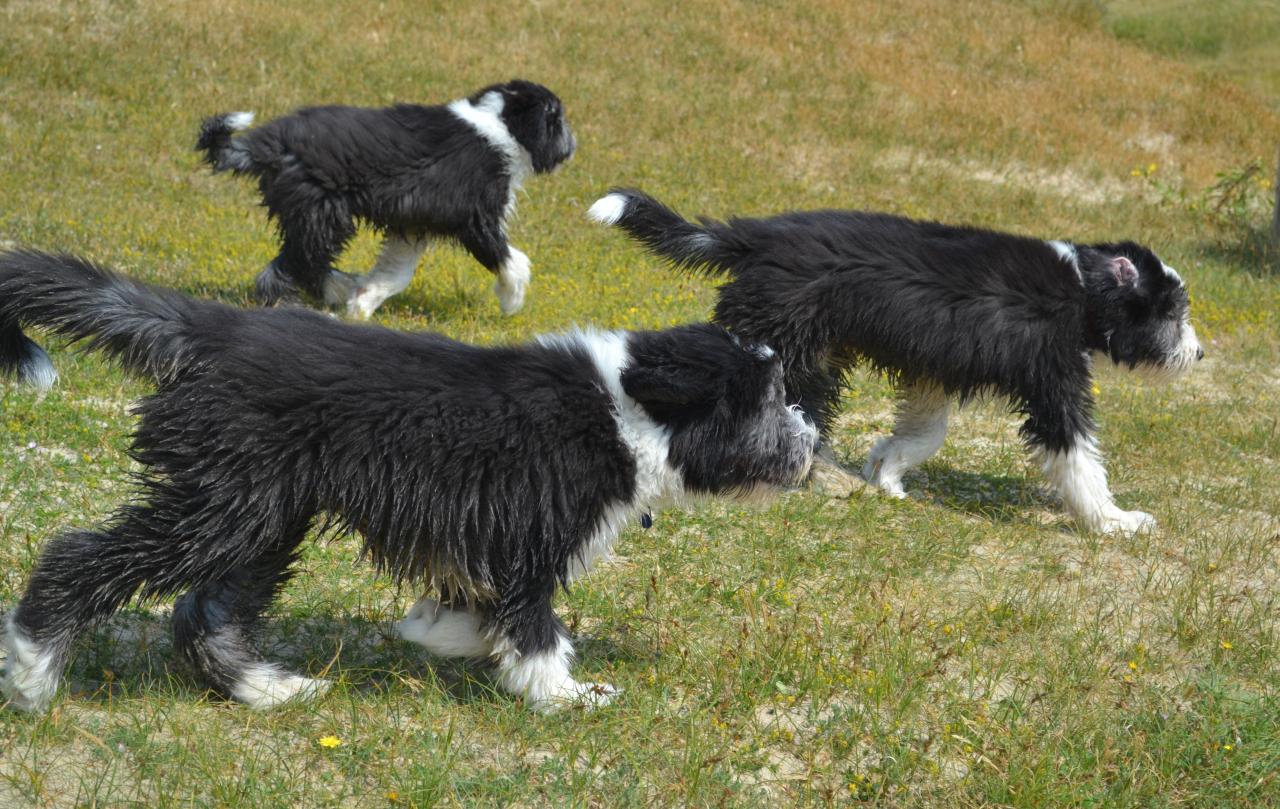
{"type": "Point", "coordinates": [1233, 38]}
{"type": "Point", "coordinates": [964, 646]}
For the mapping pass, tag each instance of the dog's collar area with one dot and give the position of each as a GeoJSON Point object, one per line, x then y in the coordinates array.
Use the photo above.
{"type": "Point", "coordinates": [646, 520]}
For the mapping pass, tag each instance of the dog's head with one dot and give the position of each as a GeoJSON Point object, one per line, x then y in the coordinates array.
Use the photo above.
{"type": "Point", "coordinates": [535, 118]}
{"type": "Point", "coordinates": [1141, 309]}
{"type": "Point", "coordinates": [723, 406]}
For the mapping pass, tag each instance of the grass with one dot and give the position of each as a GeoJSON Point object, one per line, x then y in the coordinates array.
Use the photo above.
{"type": "Point", "coordinates": [1235, 38]}
{"type": "Point", "coordinates": [964, 647]}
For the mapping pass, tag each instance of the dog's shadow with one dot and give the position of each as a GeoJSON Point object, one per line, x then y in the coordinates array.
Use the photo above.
{"type": "Point", "coordinates": [1004, 499]}
{"type": "Point", "coordinates": [436, 306]}
{"type": "Point", "coordinates": [132, 655]}
{"type": "Point", "coordinates": [433, 305]}
{"type": "Point", "coordinates": [1007, 499]}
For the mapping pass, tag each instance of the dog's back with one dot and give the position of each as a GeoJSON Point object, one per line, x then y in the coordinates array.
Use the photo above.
{"type": "Point", "coordinates": [915, 297]}
{"type": "Point", "coordinates": [389, 164]}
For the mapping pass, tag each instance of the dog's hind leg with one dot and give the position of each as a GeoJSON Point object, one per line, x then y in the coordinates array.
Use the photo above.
{"type": "Point", "coordinates": [313, 233]}
{"type": "Point", "coordinates": [390, 275]}
{"type": "Point", "coordinates": [919, 428]}
{"type": "Point", "coordinates": [829, 477]}
{"type": "Point", "coordinates": [446, 631]}
{"type": "Point", "coordinates": [81, 577]}
{"type": "Point", "coordinates": [214, 625]}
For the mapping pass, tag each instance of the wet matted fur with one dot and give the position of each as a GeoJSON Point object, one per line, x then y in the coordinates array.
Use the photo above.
{"type": "Point", "coordinates": [950, 312]}
{"type": "Point", "coordinates": [414, 172]}
{"type": "Point", "coordinates": [490, 476]}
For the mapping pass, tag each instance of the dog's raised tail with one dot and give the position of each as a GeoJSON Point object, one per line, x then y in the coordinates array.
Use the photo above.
{"type": "Point", "coordinates": [220, 151]}
{"type": "Point", "coordinates": [147, 329]}
{"type": "Point", "coordinates": [695, 246]}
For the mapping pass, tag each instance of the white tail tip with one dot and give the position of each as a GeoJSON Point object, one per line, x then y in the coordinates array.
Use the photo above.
{"type": "Point", "coordinates": [608, 209]}
{"type": "Point", "coordinates": [239, 120]}
{"type": "Point", "coordinates": [36, 368]}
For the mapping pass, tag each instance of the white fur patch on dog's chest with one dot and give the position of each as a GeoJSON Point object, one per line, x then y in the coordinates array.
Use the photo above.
{"type": "Point", "coordinates": [656, 482]}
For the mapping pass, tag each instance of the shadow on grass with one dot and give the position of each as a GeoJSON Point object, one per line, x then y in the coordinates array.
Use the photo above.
{"type": "Point", "coordinates": [999, 498]}
{"type": "Point", "coordinates": [439, 308]}
{"type": "Point", "coordinates": [444, 307]}
{"type": "Point", "coordinates": [132, 655]}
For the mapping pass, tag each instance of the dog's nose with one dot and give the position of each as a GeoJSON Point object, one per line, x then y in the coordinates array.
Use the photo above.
{"type": "Point", "coordinates": [1199, 353]}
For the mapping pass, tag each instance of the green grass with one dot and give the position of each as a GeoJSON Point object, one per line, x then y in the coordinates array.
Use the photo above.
{"type": "Point", "coordinates": [964, 647]}
{"type": "Point", "coordinates": [1234, 38]}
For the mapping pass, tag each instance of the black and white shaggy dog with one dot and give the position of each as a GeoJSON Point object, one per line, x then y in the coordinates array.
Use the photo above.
{"type": "Point", "coordinates": [414, 172]}
{"type": "Point", "coordinates": [951, 312]}
{"type": "Point", "coordinates": [490, 476]}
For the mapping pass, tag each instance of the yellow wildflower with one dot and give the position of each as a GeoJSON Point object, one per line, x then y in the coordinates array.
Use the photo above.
{"type": "Point", "coordinates": [1226, 644]}
{"type": "Point", "coordinates": [330, 741]}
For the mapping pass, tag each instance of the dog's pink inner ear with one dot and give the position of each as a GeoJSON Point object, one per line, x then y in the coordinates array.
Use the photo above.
{"type": "Point", "coordinates": [1125, 273]}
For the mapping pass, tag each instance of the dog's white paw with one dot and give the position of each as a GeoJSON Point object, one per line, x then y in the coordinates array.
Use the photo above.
{"type": "Point", "coordinates": [893, 489]}
{"type": "Point", "coordinates": [513, 282]}
{"type": "Point", "coordinates": [31, 674]}
{"type": "Point", "coordinates": [443, 631]}
{"type": "Point", "coordinates": [873, 473]}
{"type": "Point", "coordinates": [266, 686]}
{"type": "Point", "coordinates": [1116, 521]}
{"type": "Point", "coordinates": [363, 304]}
{"type": "Point", "coordinates": [576, 694]}
{"type": "Point", "coordinates": [416, 624]}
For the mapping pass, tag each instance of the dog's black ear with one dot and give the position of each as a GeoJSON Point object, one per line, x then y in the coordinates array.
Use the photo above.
{"type": "Point", "coordinates": [1124, 271]}
{"type": "Point", "coordinates": [670, 385]}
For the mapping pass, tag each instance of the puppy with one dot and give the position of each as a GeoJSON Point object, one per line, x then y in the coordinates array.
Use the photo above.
{"type": "Point", "coordinates": [950, 312]}
{"type": "Point", "coordinates": [493, 476]}
{"type": "Point", "coordinates": [416, 173]}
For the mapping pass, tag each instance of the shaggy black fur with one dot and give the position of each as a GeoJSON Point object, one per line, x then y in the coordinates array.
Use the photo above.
{"type": "Point", "coordinates": [483, 471]}
{"type": "Point", "coordinates": [960, 308]}
{"type": "Point", "coordinates": [415, 171]}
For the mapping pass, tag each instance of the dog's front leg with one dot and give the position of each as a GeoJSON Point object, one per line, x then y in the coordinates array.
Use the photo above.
{"type": "Point", "coordinates": [513, 281]}
{"type": "Point", "coordinates": [488, 243]}
{"type": "Point", "coordinates": [1077, 475]}
{"type": "Point", "coordinates": [533, 654]}
{"type": "Point", "coordinates": [445, 631]}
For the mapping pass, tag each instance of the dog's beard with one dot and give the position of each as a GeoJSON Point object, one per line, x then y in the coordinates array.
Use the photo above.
{"type": "Point", "coordinates": [1176, 362]}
